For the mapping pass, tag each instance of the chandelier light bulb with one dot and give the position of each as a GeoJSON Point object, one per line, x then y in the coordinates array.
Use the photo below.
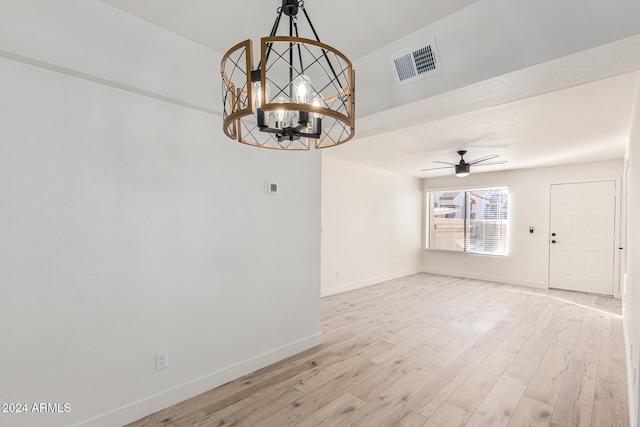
{"type": "Point", "coordinates": [283, 117]}
{"type": "Point", "coordinates": [317, 101]}
{"type": "Point", "coordinates": [280, 112]}
{"type": "Point", "coordinates": [257, 94]}
{"type": "Point", "coordinates": [301, 87]}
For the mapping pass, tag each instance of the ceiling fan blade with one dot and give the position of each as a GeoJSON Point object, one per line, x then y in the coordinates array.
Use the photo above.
{"type": "Point", "coordinates": [444, 163]}
{"type": "Point", "coordinates": [482, 159]}
{"type": "Point", "coordinates": [432, 169]}
{"type": "Point", "coordinates": [502, 162]}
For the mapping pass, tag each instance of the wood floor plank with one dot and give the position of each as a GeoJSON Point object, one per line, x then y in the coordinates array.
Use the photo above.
{"type": "Point", "coordinates": [612, 355]}
{"type": "Point", "coordinates": [385, 403]}
{"type": "Point", "coordinates": [531, 413]}
{"type": "Point", "coordinates": [547, 381]}
{"type": "Point", "coordinates": [493, 338]}
{"type": "Point", "coordinates": [573, 407]}
{"type": "Point", "coordinates": [437, 391]}
{"type": "Point", "coordinates": [374, 412]}
{"type": "Point", "coordinates": [385, 378]}
{"type": "Point", "coordinates": [610, 404]}
{"type": "Point", "coordinates": [373, 347]}
{"type": "Point", "coordinates": [333, 413]}
{"type": "Point", "coordinates": [448, 415]}
{"type": "Point", "coordinates": [496, 409]}
{"type": "Point", "coordinates": [530, 341]}
{"type": "Point", "coordinates": [443, 358]}
{"type": "Point", "coordinates": [610, 408]}
{"type": "Point", "coordinates": [428, 350]}
{"type": "Point", "coordinates": [404, 417]}
{"type": "Point", "coordinates": [476, 387]}
{"type": "Point", "coordinates": [317, 399]}
{"type": "Point", "coordinates": [395, 352]}
{"type": "Point", "coordinates": [575, 402]}
{"type": "Point", "coordinates": [250, 410]}
{"type": "Point", "coordinates": [534, 327]}
{"type": "Point", "coordinates": [309, 381]}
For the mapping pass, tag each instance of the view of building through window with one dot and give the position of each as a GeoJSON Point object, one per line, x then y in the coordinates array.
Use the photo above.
{"type": "Point", "coordinates": [469, 220]}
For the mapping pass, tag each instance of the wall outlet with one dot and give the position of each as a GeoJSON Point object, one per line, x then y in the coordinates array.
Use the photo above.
{"type": "Point", "coordinates": [162, 360]}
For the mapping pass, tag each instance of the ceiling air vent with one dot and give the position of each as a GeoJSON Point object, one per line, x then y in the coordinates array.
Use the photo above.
{"type": "Point", "coordinates": [415, 63]}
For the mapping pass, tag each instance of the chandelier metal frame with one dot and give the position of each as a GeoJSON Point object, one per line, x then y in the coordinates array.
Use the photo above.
{"type": "Point", "coordinates": [302, 90]}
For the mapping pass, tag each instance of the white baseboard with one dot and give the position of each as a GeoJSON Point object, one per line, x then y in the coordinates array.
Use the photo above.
{"type": "Point", "coordinates": [151, 404]}
{"type": "Point", "coordinates": [367, 282]}
{"type": "Point", "coordinates": [486, 277]}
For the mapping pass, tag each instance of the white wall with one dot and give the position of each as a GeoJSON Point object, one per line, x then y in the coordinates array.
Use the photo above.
{"type": "Point", "coordinates": [527, 262]}
{"type": "Point", "coordinates": [130, 225]}
{"type": "Point", "coordinates": [631, 268]}
{"type": "Point", "coordinates": [371, 225]}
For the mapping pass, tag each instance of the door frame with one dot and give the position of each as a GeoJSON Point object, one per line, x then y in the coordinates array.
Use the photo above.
{"type": "Point", "coordinates": [617, 285]}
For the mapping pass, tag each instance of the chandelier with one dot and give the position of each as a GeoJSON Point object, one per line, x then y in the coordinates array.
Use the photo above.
{"type": "Point", "coordinates": [301, 92]}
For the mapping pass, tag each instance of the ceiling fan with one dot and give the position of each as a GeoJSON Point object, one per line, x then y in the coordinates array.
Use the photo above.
{"type": "Point", "coordinates": [463, 168]}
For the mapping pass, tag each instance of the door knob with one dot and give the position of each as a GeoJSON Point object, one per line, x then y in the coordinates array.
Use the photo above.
{"type": "Point", "coordinates": [553, 241]}
{"type": "Point", "coordinates": [553, 234]}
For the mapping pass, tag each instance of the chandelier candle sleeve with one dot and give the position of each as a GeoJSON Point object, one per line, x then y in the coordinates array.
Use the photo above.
{"type": "Point", "coordinates": [300, 93]}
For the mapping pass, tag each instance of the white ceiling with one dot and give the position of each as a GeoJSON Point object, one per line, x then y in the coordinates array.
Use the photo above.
{"type": "Point", "coordinates": [366, 25]}
{"type": "Point", "coordinates": [543, 116]}
{"type": "Point", "coordinates": [585, 123]}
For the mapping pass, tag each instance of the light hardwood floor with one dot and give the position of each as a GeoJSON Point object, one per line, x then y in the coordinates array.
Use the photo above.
{"type": "Point", "coordinates": [429, 350]}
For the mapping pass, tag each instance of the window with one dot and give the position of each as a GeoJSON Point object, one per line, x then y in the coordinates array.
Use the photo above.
{"type": "Point", "coordinates": [474, 221]}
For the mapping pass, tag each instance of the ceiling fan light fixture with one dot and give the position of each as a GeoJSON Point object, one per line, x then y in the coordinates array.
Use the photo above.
{"type": "Point", "coordinates": [300, 93]}
{"type": "Point", "coordinates": [463, 169]}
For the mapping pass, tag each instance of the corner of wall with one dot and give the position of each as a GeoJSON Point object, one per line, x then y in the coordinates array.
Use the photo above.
{"type": "Point", "coordinates": [631, 238]}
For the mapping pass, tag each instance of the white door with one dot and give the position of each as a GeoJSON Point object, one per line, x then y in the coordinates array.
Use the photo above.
{"type": "Point", "coordinates": [582, 237]}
